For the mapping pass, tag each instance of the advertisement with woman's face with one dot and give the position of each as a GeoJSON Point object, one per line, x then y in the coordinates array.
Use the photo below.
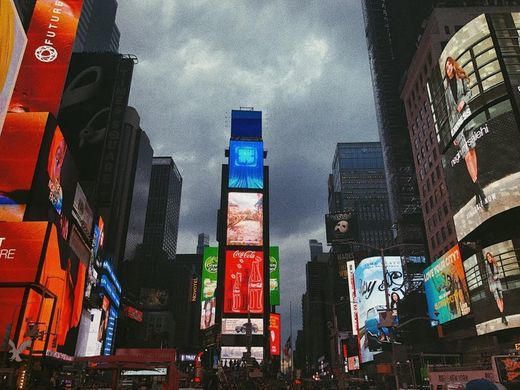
{"type": "Point", "coordinates": [476, 129]}
{"type": "Point", "coordinates": [493, 279]}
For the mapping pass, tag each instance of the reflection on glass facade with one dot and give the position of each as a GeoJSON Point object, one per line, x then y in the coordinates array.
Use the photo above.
{"type": "Point", "coordinates": [359, 183]}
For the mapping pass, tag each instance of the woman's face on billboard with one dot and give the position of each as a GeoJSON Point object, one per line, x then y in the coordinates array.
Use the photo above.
{"type": "Point", "coordinates": [449, 69]}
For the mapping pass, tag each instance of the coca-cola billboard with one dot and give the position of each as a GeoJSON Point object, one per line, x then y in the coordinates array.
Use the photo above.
{"type": "Point", "coordinates": [244, 282]}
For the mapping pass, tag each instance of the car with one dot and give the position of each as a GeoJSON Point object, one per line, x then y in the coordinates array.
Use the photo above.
{"type": "Point", "coordinates": [242, 328]}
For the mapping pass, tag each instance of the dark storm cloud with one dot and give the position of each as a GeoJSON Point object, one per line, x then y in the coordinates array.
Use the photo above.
{"type": "Point", "coordinates": [303, 63]}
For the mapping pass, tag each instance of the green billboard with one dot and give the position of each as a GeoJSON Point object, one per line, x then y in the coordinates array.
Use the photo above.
{"type": "Point", "coordinates": [209, 285]}
{"type": "Point", "coordinates": [274, 275]}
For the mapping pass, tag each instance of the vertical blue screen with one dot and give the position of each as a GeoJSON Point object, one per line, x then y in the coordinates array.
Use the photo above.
{"type": "Point", "coordinates": [246, 164]}
{"type": "Point", "coordinates": [246, 124]}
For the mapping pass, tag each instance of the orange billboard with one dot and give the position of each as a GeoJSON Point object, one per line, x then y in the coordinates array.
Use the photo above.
{"type": "Point", "coordinates": [12, 47]}
{"type": "Point", "coordinates": [49, 289]}
{"type": "Point", "coordinates": [50, 39]}
{"type": "Point", "coordinates": [20, 146]}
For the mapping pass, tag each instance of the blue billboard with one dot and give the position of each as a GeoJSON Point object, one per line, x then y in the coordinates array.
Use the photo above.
{"type": "Point", "coordinates": [446, 288]}
{"type": "Point", "coordinates": [246, 124]}
{"type": "Point", "coordinates": [246, 164]}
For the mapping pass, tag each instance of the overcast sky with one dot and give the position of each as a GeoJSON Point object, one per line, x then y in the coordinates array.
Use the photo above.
{"type": "Point", "coordinates": [303, 63]}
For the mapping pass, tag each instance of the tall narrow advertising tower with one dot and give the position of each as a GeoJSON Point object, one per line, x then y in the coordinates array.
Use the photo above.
{"type": "Point", "coordinates": [243, 302]}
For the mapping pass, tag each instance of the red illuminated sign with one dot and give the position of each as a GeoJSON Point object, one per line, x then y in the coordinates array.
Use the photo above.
{"type": "Point", "coordinates": [50, 39]}
{"type": "Point", "coordinates": [244, 282]}
{"type": "Point", "coordinates": [274, 334]}
{"type": "Point", "coordinates": [133, 313]}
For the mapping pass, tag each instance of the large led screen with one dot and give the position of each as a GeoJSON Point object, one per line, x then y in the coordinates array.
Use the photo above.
{"type": "Point", "coordinates": [245, 219]}
{"type": "Point", "coordinates": [20, 145]}
{"type": "Point", "coordinates": [82, 212]}
{"type": "Point", "coordinates": [246, 124]}
{"type": "Point", "coordinates": [238, 326]}
{"type": "Point", "coordinates": [12, 47]}
{"type": "Point", "coordinates": [50, 38]}
{"type": "Point", "coordinates": [476, 128]}
{"type": "Point", "coordinates": [493, 276]}
{"type": "Point", "coordinates": [351, 270]}
{"type": "Point", "coordinates": [244, 282]}
{"type": "Point", "coordinates": [35, 257]}
{"type": "Point", "coordinates": [237, 353]}
{"type": "Point", "coordinates": [446, 288]}
{"type": "Point", "coordinates": [370, 290]}
{"type": "Point", "coordinates": [274, 275]}
{"type": "Point", "coordinates": [246, 164]}
{"type": "Point", "coordinates": [209, 286]}
{"type": "Point", "coordinates": [341, 227]}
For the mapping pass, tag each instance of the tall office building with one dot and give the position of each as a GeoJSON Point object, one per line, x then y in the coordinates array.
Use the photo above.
{"type": "Point", "coordinates": [140, 193]}
{"type": "Point", "coordinates": [164, 203]}
{"type": "Point", "coordinates": [316, 248]}
{"type": "Point", "coordinates": [97, 29]}
{"type": "Point", "coordinates": [202, 242]}
{"type": "Point", "coordinates": [358, 183]}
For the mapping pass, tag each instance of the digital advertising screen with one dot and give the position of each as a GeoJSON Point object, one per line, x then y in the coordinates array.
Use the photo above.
{"type": "Point", "coordinates": [370, 288]}
{"type": "Point", "coordinates": [245, 219]}
{"type": "Point", "coordinates": [341, 227]}
{"type": "Point", "coordinates": [446, 288]}
{"type": "Point", "coordinates": [55, 162]}
{"type": "Point", "coordinates": [246, 164]}
{"type": "Point", "coordinates": [238, 326]}
{"type": "Point", "coordinates": [274, 334]}
{"type": "Point", "coordinates": [88, 343]}
{"type": "Point", "coordinates": [508, 370]}
{"type": "Point", "coordinates": [274, 275]}
{"type": "Point", "coordinates": [237, 353]}
{"type": "Point", "coordinates": [246, 124]}
{"type": "Point", "coordinates": [475, 125]}
{"type": "Point", "coordinates": [351, 270]}
{"type": "Point", "coordinates": [82, 212]}
{"type": "Point", "coordinates": [50, 39]}
{"type": "Point", "coordinates": [493, 276]}
{"type": "Point", "coordinates": [209, 285]}
{"type": "Point", "coordinates": [244, 282]}
{"type": "Point", "coordinates": [12, 44]}
{"type": "Point", "coordinates": [98, 238]}
{"type": "Point", "coordinates": [20, 145]}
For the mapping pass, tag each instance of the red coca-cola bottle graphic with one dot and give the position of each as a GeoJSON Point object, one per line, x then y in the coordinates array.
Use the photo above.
{"type": "Point", "coordinates": [255, 287]}
{"type": "Point", "coordinates": [236, 303]}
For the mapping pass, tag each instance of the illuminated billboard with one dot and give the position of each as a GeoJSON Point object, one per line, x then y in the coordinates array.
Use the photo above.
{"type": "Point", "coordinates": [473, 116]}
{"type": "Point", "coordinates": [55, 162]}
{"type": "Point", "coordinates": [446, 288]}
{"type": "Point", "coordinates": [246, 164]}
{"type": "Point", "coordinates": [35, 259]}
{"type": "Point", "coordinates": [351, 269]}
{"type": "Point", "coordinates": [12, 46]}
{"type": "Point", "coordinates": [341, 227]}
{"type": "Point", "coordinates": [245, 219]}
{"type": "Point", "coordinates": [237, 353]}
{"type": "Point", "coordinates": [209, 286]}
{"type": "Point", "coordinates": [493, 276]}
{"type": "Point", "coordinates": [244, 282]}
{"type": "Point", "coordinates": [20, 145]}
{"type": "Point", "coordinates": [50, 39]}
{"type": "Point", "coordinates": [372, 301]}
{"type": "Point", "coordinates": [88, 343]}
{"type": "Point", "coordinates": [274, 334]}
{"type": "Point", "coordinates": [82, 212]}
{"type": "Point", "coordinates": [246, 124]}
{"type": "Point", "coordinates": [274, 275]}
{"type": "Point", "coordinates": [238, 326]}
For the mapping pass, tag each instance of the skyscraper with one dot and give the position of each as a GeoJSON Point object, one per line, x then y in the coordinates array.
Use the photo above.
{"type": "Point", "coordinates": [164, 202]}
{"type": "Point", "coordinates": [203, 241]}
{"type": "Point", "coordinates": [316, 248]}
{"type": "Point", "coordinates": [358, 183]}
{"type": "Point", "coordinates": [97, 29]}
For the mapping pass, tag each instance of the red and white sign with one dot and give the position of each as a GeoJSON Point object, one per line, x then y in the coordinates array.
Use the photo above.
{"type": "Point", "coordinates": [133, 313]}
{"type": "Point", "coordinates": [244, 282]}
{"type": "Point", "coordinates": [50, 39]}
{"type": "Point", "coordinates": [274, 334]}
